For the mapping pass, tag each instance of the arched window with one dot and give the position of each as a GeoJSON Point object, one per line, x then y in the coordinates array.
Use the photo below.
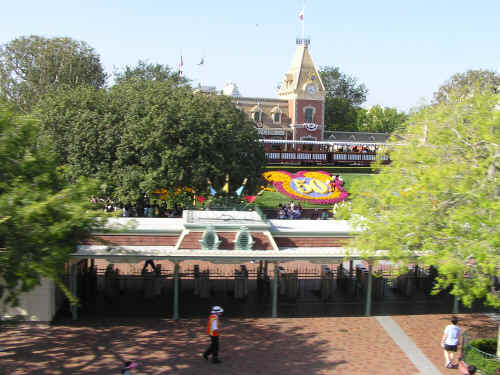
{"type": "Point", "coordinates": [277, 117]}
{"type": "Point", "coordinates": [276, 114]}
{"type": "Point", "coordinates": [309, 115]}
{"type": "Point", "coordinates": [256, 116]}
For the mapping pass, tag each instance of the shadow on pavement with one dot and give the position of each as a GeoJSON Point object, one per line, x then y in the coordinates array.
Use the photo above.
{"type": "Point", "coordinates": [162, 347]}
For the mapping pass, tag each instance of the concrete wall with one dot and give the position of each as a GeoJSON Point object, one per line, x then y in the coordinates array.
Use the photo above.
{"type": "Point", "coordinates": [37, 305]}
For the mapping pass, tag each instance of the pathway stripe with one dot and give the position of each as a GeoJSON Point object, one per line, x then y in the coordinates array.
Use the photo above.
{"type": "Point", "coordinates": [412, 351]}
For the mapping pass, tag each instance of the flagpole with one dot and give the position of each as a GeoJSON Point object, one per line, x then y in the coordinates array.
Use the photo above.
{"type": "Point", "coordinates": [303, 18]}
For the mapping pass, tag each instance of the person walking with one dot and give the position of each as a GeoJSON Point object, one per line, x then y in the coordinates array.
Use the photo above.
{"type": "Point", "coordinates": [213, 329]}
{"type": "Point", "coordinates": [449, 342]}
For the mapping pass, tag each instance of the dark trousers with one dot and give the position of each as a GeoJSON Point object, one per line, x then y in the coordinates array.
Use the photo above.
{"type": "Point", "coordinates": [213, 348]}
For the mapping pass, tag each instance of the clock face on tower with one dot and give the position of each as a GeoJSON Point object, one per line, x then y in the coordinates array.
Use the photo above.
{"type": "Point", "coordinates": [311, 89]}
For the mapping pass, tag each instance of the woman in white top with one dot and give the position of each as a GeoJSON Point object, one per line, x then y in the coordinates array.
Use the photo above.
{"type": "Point", "coordinates": [449, 342]}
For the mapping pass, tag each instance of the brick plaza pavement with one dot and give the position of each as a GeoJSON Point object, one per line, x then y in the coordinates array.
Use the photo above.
{"type": "Point", "coordinates": [344, 345]}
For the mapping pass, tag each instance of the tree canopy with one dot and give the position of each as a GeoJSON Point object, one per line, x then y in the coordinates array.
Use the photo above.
{"type": "Point", "coordinates": [148, 72]}
{"type": "Point", "coordinates": [344, 96]}
{"type": "Point", "coordinates": [141, 135]}
{"type": "Point", "coordinates": [462, 84]}
{"type": "Point", "coordinates": [42, 217]}
{"type": "Point", "coordinates": [32, 66]}
{"type": "Point", "coordinates": [340, 85]}
{"type": "Point", "coordinates": [380, 119]}
{"type": "Point", "coordinates": [439, 199]}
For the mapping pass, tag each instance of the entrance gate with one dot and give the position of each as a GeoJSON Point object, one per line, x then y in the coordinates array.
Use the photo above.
{"type": "Point", "coordinates": [246, 290]}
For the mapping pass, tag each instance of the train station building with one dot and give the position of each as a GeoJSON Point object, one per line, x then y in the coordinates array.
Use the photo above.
{"type": "Point", "coordinates": [292, 126]}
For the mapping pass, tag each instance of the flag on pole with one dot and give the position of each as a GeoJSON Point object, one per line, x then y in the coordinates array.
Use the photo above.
{"type": "Point", "coordinates": [181, 67]}
{"type": "Point", "coordinates": [225, 188]}
{"type": "Point", "coordinates": [301, 15]}
{"type": "Point", "coordinates": [239, 190]}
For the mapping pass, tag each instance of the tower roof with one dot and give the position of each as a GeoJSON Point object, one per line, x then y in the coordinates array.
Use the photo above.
{"type": "Point", "coordinates": [302, 72]}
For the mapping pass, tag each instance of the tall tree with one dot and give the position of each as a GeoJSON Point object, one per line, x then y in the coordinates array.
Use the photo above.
{"type": "Point", "coordinates": [344, 95]}
{"type": "Point", "coordinates": [461, 85]}
{"type": "Point", "coordinates": [439, 199]}
{"type": "Point", "coordinates": [148, 72]}
{"type": "Point", "coordinates": [42, 216]}
{"type": "Point", "coordinates": [342, 86]}
{"type": "Point", "coordinates": [341, 115]}
{"type": "Point", "coordinates": [141, 135]}
{"type": "Point", "coordinates": [31, 66]}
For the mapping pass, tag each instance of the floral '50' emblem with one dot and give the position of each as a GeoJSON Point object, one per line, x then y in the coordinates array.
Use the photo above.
{"type": "Point", "coordinates": [315, 187]}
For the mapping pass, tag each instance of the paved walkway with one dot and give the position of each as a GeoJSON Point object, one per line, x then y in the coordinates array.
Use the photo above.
{"type": "Point", "coordinates": [312, 346]}
{"type": "Point", "coordinates": [414, 354]}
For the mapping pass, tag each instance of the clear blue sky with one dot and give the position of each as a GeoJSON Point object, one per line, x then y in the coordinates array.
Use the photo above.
{"type": "Point", "coordinates": [401, 50]}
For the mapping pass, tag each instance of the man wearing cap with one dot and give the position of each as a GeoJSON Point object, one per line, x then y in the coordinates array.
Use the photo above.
{"type": "Point", "coordinates": [213, 331]}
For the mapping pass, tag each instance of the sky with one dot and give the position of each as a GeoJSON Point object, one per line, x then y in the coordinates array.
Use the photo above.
{"type": "Point", "coordinates": [401, 50]}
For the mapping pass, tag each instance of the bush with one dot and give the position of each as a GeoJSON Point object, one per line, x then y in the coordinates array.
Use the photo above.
{"type": "Point", "coordinates": [474, 354]}
{"type": "Point", "coordinates": [485, 345]}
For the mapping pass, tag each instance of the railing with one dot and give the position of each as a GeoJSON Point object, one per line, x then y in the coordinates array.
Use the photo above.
{"type": "Point", "coordinates": [324, 157]}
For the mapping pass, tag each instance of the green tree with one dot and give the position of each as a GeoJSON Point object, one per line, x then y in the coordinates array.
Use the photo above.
{"type": "Point", "coordinates": [31, 66]}
{"type": "Point", "coordinates": [148, 72]}
{"type": "Point", "coordinates": [43, 218]}
{"type": "Point", "coordinates": [146, 134]}
{"type": "Point", "coordinates": [380, 119]}
{"type": "Point", "coordinates": [342, 86]}
{"type": "Point", "coordinates": [439, 199]}
{"type": "Point", "coordinates": [341, 115]}
{"type": "Point", "coordinates": [461, 85]}
{"type": "Point", "coordinates": [344, 95]}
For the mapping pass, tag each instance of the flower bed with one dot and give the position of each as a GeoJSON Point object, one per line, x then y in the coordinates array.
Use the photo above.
{"type": "Point", "coordinates": [316, 187]}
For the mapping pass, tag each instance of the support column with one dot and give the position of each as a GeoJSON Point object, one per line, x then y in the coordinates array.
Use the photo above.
{"type": "Point", "coordinates": [176, 291]}
{"type": "Point", "coordinates": [73, 286]}
{"type": "Point", "coordinates": [275, 291]}
{"type": "Point", "coordinates": [455, 305]}
{"type": "Point", "coordinates": [368, 310]}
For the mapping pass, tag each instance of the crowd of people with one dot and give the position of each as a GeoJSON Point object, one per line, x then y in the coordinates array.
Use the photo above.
{"type": "Point", "coordinates": [361, 149]}
{"type": "Point", "coordinates": [291, 210]}
{"type": "Point", "coordinates": [145, 208]}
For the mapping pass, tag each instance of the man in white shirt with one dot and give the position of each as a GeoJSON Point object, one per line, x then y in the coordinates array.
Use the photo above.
{"type": "Point", "coordinates": [449, 342]}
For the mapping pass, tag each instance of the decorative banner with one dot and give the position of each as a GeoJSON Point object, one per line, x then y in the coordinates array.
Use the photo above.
{"type": "Point", "coordinates": [250, 198]}
{"type": "Point", "coordinates": [316, 187]}
{"type": "Point", "coordinates": [311, 126]}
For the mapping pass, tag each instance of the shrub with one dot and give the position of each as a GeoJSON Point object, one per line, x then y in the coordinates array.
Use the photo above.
{"type": "Point", "coordinates": [474, 354]}
{"type": "Point", "coordinates": [485, 345]}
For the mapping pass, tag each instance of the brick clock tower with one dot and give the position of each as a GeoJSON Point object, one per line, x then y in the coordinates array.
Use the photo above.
{"type": "Point", "coordinates": [303, 89]}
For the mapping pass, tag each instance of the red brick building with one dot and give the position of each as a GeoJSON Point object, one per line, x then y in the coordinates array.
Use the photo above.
{"type": "Point", "coordinates": [299, 112]}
